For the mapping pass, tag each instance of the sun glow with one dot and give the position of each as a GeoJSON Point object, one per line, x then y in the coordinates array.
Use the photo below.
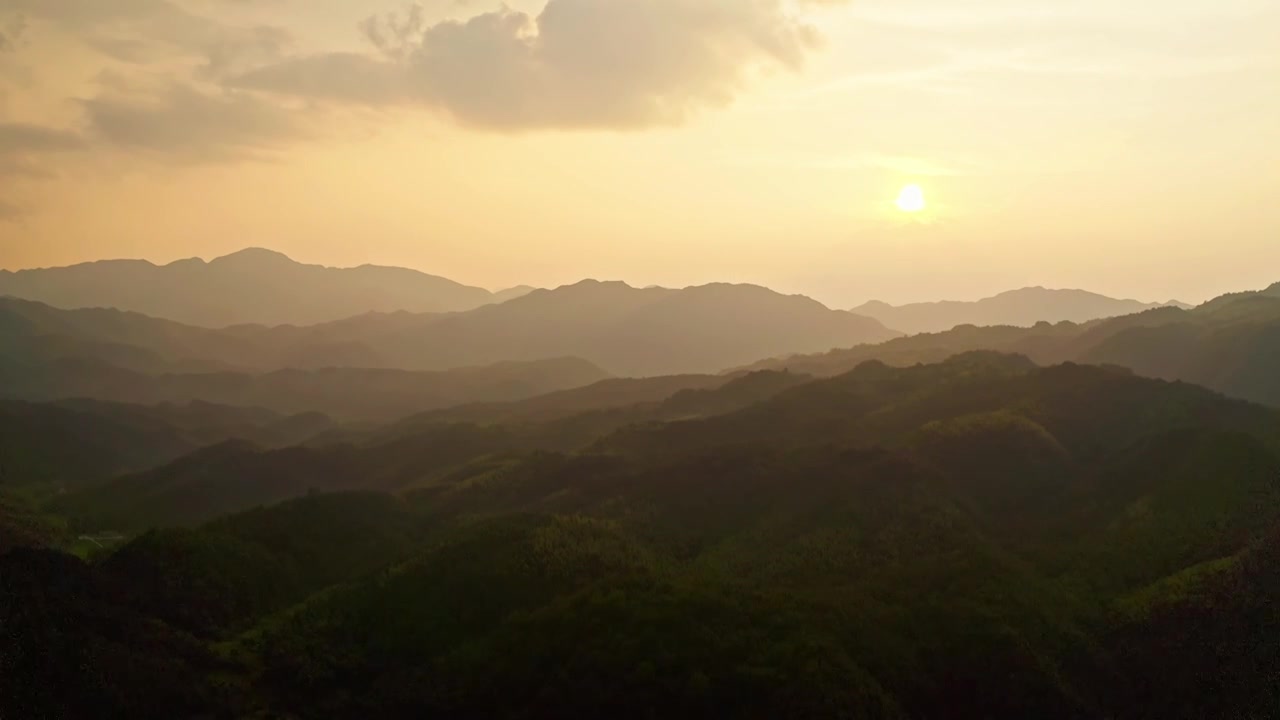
{"type": "Point", "coordinates": [911, 199]}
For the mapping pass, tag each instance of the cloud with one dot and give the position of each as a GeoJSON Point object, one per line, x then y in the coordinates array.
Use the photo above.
{"type": "Point", "coordinates": [143, 32]}
{"type": "Point", "coordinates": [191, 88]}
{"type": "Point", "coordinates": [162, 95]}
{"type": "Point", "coordinates": [230, 52]}
{"type": "Point", "coordinates": [191, 124]}
{"type": "Point", "coordinates": [579, 63]}
{"type": "Point", "coordinates": [20, 137]}
{"type": "Point", "coordinates": [22, 147]}
{"type": "Point", "coordinates": [24, 151]}
{"type": "Point", "coordinates": [11, 33]}
{"type": "Point", "coordinates": [9, 211]}
{"type": "Point", "coordinates": [342, 77]}
{"type": "Point", "coordinates": [81, 14]}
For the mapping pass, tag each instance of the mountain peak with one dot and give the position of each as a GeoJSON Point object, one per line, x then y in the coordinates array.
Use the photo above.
{"type": "Point", "coordinates": [255, 255]}
{"type": "Point", "coordinates": [593, 285]}
{"type": "Point", "coordinates": [1040, 290]}
{"type": "Point", "coordinates": [874, 305]}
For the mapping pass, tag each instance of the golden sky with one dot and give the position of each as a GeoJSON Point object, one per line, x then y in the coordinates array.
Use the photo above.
{"type": "Point", "coordinates": [1130, 147]}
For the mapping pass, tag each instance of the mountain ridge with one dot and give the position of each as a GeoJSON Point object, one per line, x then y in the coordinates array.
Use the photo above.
{"type": "Point", "coordinates": [624, 330]}
{"type": "Point", "coordinates": [1021, 307]}
{"type": "Point", "coordinates": [251, 286]}
{"type": "Point", "coordinates": [1230, 344]}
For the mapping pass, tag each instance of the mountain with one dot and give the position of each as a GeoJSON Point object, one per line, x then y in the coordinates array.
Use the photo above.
{"type": "Point", "coordinates": [619, 328]}
{"type": "Point", "coordinates": [975, 538]}
{"type": "Point", "coordinates": [112, 355]}
{"type": "Point", "coordinates": [512, 293]}
{"type": "Point", "coordinates": [253, 286]}
{"type": "Point", "coordinates": [75, 443]}
{"type": "Point", "coordinates": [604, 395]}
{"type": "Point", "coordinates": [1230, 344]}
{"type": "Point", "coordinates": [239, 475]}
{"type": "Point", "coordinates": [627, 331]}
{"type": "Point", "coordinates": [346, 393]}
{"type": "Point", "coordinates": [413, 453]}
{"type": "Point", "coordinates": [33, 333]}
{"type": "Point", "coordinates": [1022, 308]}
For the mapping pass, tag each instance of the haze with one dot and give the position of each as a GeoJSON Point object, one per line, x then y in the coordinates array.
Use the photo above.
{"type": "Point", "coordinates": [633, 359]}
{"type": "Point", "coordinates": [1123, 146]}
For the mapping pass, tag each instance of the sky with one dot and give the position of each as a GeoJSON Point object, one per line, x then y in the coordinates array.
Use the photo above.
{"type": "Point", "coordinates": [1130, 147]}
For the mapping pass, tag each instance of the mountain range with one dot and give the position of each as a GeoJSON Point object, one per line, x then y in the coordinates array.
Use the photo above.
{"type": "Point", "coordinates": [975, 538]}
{"type": "Point", "coordinates": [263, 287]}
{"type": "Point", "coordinates": [603, 501]}
{"type": "Point", "coordinates": [1230, 344]}
{"type": "Point", "coordinates": [345, 393]}
{"type": "Point", "coordinates": [1022, 308]}
{"type": "Point", "coordinates": [626, 331]}
{"type": "Point", "coordinates": [110, 439]}
{"type": "Point", "coordinates": [253, 286]}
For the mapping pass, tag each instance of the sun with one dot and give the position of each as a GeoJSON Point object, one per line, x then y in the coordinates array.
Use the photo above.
{"type": "Point", "coordinates": [911, 199]}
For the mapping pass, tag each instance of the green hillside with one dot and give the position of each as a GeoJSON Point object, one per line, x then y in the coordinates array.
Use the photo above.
{"type": "Point", "coordinates": [976, 538]}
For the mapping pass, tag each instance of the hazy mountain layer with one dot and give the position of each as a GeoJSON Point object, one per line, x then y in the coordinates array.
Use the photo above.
{"type": "Point", "coordinates": [1022, 308]}
{"type": "Point", "coordinates": [1231, 344]}
{"type": "Point", "coordinates": [347, 393]}
{"type": "Point", "coordinates": [250, 286]}
{"type": "Point", "coordinates": [624, 330]}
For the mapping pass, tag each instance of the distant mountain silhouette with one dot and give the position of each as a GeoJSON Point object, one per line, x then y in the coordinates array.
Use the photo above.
{"type": "Point", "coordinates": [251, 286]}
{"type": "Point", "coordinates": [1230, 344]}
{"type": "Point", "coordinates": [33, 333]}
{"type": "Point", "coordinates": [512, 293]}
{"type": "Point", "coordinates": [1022, 308]}
{"type": "Point", "coordinates": [624, 330]}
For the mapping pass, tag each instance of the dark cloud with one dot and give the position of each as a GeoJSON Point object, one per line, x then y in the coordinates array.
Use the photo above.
{"type": "Point", "coordinates": [580, 63]}
{"type": "Point", "coordinates": [189, 124]}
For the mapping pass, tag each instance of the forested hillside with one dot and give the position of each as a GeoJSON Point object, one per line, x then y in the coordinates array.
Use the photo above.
{"type": "Point", "coordinates": [976, 538]}
{"type": "Point", "coordinates": [504, 360]}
